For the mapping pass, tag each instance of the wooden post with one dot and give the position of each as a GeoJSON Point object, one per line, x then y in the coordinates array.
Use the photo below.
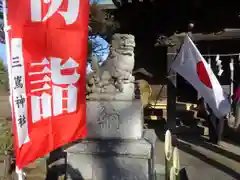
{"type": "Point", "coordinates": [7, 165]}
{"type": "Point", "coordinates": [171, 85]}
{"type": "Point", "coordinates": [172, 80]}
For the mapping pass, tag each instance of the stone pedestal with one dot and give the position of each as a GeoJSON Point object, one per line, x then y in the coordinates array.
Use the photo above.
{"type": "Point", "coordinates": [117, 147]}
{"type": "Point", "coordinates": [112, 159]}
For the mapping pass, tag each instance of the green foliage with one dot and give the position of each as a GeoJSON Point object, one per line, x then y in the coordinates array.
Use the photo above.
{"type": "Point", "coordinates": [2, 66]}
{"type": "Point", "coordinates": [6, 139]}
{"type": "Point", "coordinates": [3, 77]}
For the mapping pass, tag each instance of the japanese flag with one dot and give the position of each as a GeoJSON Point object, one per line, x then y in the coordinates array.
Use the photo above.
{"type": "Point", "coordinates": [190, 64]}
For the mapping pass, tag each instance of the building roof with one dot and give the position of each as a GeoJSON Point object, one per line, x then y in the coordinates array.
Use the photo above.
{"type": "Point", "coordinates": [105, 4]}
{"type": "Point", "coordinates": [226, 34]}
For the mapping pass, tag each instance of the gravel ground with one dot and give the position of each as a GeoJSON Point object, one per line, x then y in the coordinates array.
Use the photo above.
{"type": "Point", "coordinates": [204, 164]}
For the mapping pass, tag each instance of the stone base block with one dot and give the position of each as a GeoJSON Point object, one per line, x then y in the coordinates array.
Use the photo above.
{"type": "Point", "coordinates": [105, 159]}
{"type": "Point", "coordinates": [104, 164]}
{"type": "Point", "coordinates": [87, 167]}
{"type": "Point", "coordinates": [112, 159]}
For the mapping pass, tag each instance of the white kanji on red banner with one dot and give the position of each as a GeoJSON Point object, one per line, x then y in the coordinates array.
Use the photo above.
{"type": "Point", "coordinates": [48, 105]}
{"type": "Point", "coordinates": [47, 78]}
{"type": "Point", "coordinates": [70, 16]}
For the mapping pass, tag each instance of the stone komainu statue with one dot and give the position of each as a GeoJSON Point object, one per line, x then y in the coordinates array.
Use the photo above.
{"type": "Point", "coordinates": [113, 80]}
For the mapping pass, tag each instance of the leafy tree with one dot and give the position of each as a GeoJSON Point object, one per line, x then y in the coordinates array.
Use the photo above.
{"type": "Point", "coordinates": [2, 66]}
{"type": "Point", "coordinates": [2, 35]}
{"type": "Point", "coordinates": [3, 76]}
{"type": "Point", "coordinates": [102, 22]}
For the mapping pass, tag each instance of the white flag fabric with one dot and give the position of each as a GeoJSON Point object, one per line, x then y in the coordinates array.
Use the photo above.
{"type": "Point", "coordinates": [191, 65]}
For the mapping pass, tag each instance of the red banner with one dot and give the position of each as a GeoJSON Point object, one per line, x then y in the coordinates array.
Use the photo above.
{"type": "Point", "coordinates": [48, 47]}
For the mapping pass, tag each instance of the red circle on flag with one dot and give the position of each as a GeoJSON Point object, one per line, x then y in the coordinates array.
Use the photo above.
{"type": "Point", "coordinates": [203, 75]}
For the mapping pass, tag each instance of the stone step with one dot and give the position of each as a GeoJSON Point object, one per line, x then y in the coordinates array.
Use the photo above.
{"type": "Point", "coordinates": [191, 130]}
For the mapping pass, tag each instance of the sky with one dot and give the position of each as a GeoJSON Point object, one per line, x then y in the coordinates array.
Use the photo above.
{"type": "Point", "coordinates": [3, 53]}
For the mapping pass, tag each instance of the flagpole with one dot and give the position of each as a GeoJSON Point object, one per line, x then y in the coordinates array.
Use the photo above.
{"type": "Point", "coordinates": [231, 67]}
{"type": "Point", "coordinates": [19, 172]}
{"type": "Point", "coordinates": [6, 29]}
